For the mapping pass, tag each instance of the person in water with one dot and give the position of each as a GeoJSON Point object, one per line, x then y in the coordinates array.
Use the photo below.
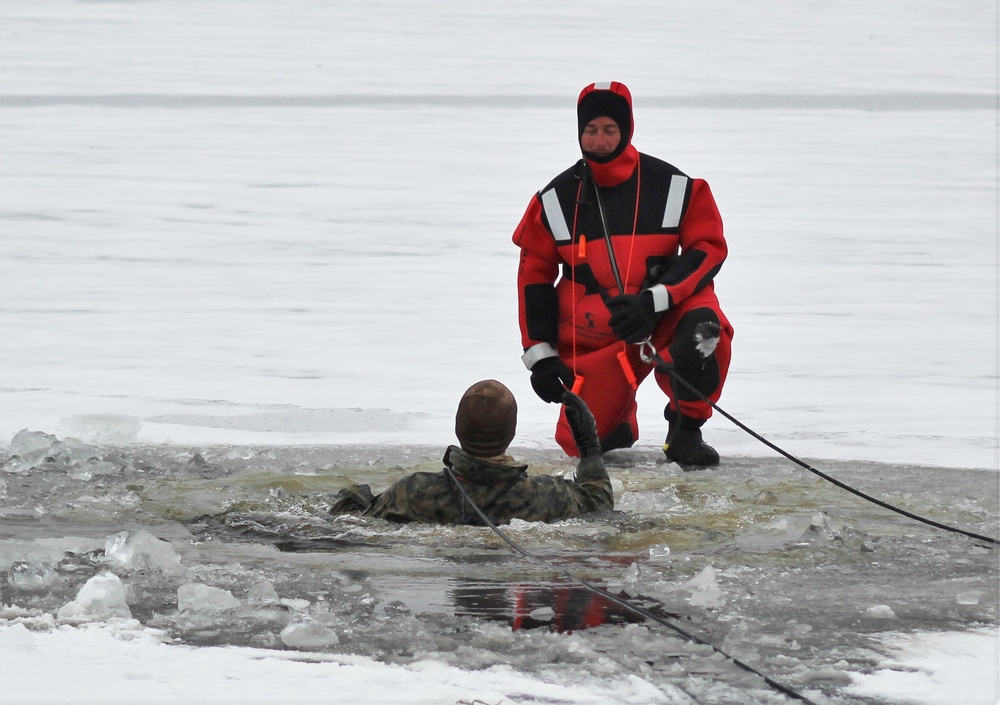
{"type": "Point", "coordinates": [485, 425]}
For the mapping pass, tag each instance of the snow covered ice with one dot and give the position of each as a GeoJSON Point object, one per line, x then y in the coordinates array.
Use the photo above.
{"type": "Point", "coordinates": [254, 251]}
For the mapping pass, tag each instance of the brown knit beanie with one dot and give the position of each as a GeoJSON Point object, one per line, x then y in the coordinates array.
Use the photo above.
{"type": "Point", "coordinates": [486, 419]}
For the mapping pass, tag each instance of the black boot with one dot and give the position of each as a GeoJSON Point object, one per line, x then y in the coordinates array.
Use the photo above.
{"type": "Point", "coordinates": [684, 444]}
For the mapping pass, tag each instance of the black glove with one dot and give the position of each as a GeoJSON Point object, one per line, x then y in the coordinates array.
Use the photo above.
{"type": "Point", "coordinates": [632, 316]}
{"type": "Point", "coordinates": [550, 377]}
{"type": "Point", "coordinates": [582, 424]}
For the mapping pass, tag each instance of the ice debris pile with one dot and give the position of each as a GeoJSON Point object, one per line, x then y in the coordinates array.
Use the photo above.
{"type": "Point", "coordinates": [131, 574]}
{"type": "Point", "coordinates": [137, 568]}
{"type": "Point", "coordinates": [36, 450]}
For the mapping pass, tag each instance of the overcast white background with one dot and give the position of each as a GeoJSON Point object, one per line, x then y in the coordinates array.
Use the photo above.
{"type": "Point", "coordinates": [262, 222]}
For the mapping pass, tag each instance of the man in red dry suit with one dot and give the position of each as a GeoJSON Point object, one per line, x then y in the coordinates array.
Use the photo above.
{"type": "Point", "coordinates": [637, 244]}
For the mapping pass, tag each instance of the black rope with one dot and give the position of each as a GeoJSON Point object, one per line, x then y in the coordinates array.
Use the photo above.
{"type": "Point", "coordinates": [487, 505]}
{"type": "Point", "coordinates": [621, 601]}
{"type": "Point", "coordinates": [664, 367]}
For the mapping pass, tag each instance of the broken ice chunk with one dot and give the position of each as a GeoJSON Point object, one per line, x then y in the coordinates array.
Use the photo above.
{"type": "Point", "coordinates": [198, 598]}
{"type": "Point", "coordinates": [303, 632]}
{"type": "Point", "coordinates": [102, 597]}
{"type": "Point", "coordinates": [137, 549]}
{"type": "Point", "coordinates": [32, 577]}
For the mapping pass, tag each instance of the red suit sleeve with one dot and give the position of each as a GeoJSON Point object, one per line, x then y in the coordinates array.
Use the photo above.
{"type": "Point", "coordinates": [538, 309]}
{"type": "Point", "coordinates": [702, 244]}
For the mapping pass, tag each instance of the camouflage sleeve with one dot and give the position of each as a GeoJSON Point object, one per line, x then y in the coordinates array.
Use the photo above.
{"type": "Point", "coordinates": [354, 498]}
{"type": "Point", "coordinates": [421, 497]}
{"type": "Point", "coordinates": [592, 477]}
{"type": "Point", "coordinates": [549, 498]}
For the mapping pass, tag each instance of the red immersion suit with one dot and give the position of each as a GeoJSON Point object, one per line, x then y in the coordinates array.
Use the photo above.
{"type": "Point", "coordinates": [666, 234]}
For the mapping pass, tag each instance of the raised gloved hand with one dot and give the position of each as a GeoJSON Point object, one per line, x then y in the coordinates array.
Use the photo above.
{"type": "Point", "coordinates": [550, 377]}
{"type": "Point", "coordinates": [633, 316]}
{"type": "Point", "coordinates": [582, 424]}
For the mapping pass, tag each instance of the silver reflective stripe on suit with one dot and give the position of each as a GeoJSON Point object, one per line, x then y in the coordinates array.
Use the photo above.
{"type": "Point", "coordinates": [675, 201]}
{"type": "Point", "coordinates": [554, 214]}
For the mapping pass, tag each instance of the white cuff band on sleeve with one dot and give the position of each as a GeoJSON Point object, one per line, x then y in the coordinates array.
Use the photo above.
{"type": "Point", "coordinates": [661, 298]}
{"type": "Point", "coordinates": [536, 353]}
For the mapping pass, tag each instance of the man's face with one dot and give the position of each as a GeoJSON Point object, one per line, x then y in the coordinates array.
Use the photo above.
{"type": "Point", "coordinates": [600, 137]}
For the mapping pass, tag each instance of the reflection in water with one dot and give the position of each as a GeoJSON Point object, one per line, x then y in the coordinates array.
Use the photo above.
{"type": "Point", "coordinates": [560, 608]}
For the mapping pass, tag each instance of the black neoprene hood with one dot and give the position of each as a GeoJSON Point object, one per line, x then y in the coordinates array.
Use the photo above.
{"type": "Point", "coordinates": [605, 103]}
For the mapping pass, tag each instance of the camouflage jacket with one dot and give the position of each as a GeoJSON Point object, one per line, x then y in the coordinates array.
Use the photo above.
{"type": "Point", "coordinates": [499, 486]}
